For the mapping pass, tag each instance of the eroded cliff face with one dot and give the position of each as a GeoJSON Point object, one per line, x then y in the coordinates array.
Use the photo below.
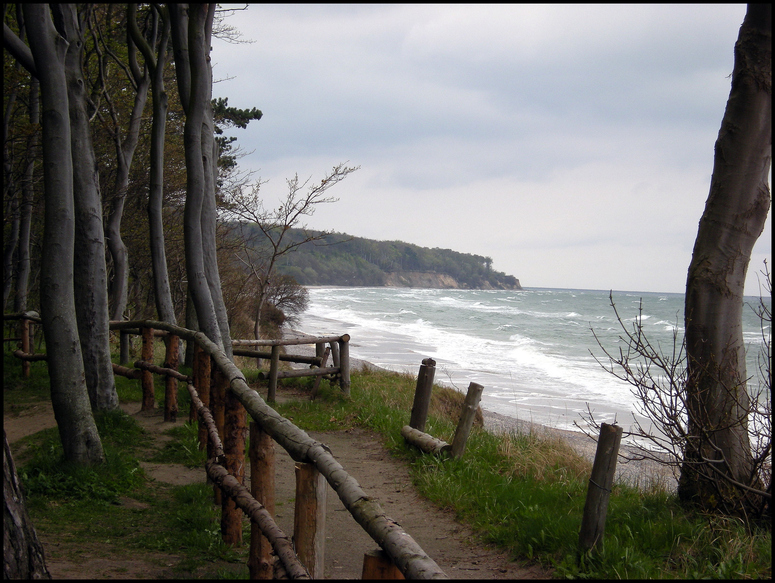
{"type": "Point", "coordinates": [430, 280]}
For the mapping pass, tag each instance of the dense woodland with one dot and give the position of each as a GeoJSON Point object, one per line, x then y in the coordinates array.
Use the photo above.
{"type": "Point", "coordinates": [340, 259]}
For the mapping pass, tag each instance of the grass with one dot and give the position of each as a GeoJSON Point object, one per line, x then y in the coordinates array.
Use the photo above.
{"type": "Point", "coordinates": [522, 492]}
{"type": "Point", "coordinates": [525, 493]}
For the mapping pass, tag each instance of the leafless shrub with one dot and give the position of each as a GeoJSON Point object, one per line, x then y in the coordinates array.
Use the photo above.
{"type": "Point", "coordinates": [658, 377]}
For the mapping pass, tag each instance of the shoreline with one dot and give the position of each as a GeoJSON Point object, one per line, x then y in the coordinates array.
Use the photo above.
{"type": "Point", "coordinates": [640, 473]}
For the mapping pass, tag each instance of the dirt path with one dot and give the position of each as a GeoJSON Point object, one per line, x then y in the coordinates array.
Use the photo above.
{"type": "Point", "coordinates": [452, 545]}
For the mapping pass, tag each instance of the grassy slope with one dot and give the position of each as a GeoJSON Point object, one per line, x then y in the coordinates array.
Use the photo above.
{"type": "Point", "coordinates": [523, 493]}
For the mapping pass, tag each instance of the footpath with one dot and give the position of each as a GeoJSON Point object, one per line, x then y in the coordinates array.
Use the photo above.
{"type": "Point", "coordinates": [453, 546]}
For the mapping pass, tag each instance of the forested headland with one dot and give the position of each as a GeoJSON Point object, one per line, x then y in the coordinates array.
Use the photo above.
{"type": "Point", "coordinates": [341, 259]}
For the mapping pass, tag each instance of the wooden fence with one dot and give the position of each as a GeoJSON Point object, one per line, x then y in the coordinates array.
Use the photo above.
{"type": "Point", "coordinates": [221, 398]}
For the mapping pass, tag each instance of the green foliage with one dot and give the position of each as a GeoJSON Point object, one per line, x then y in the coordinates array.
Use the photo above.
{"type": "Point", "coordinates": [525, 493]}
{"type": "Point", "coordinates": [346, 260]}
{"type": "Point", "coordinates": [48, 475]}
{"type": "Point", "coordinates": [184, 448]}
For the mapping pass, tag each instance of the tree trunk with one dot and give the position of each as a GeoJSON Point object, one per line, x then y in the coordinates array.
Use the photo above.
{"type": "Point", "coordinates": [209, 216]}
{"type": "Point", "coordinates": [91, 278]}
{"type": "Point", "coordinates": [125, 151]}
{"type": "Point", "coordinates": [69, 396]}
{"type": "Point", "coordinates": [28, 191]}
{"type": "Point", "coordinates": [195, 86]}
{"type": "Point", "coordinates": [22, 551]}
{"type": "Point", "coordinates": [156, 63]}
{"type": "Point", "coordinates": [737, 206]}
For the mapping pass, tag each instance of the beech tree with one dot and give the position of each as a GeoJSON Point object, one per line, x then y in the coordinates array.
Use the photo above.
{"type": "Point", "coordinates": [125, 139]}
{"type": "Point", "coordinates": [716, 429]}
{"type": "Point", "coordinates": [733, 219]}
{"type": "Point", "coordinates": [90, 275]}
{"type": "Point", "coordinates": [156, 61]}
{"type": "Point", "coordinates": [191, 35]}
{"type": "Point", "coordinates": [46, 58]}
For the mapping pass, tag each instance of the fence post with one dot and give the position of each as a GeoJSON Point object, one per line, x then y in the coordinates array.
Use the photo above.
{"type": "Point", "coordinates": [149, 397]}
{"type": "Point", "coordinates": [599, 489]}
{"type": "Point", "coordinates": [309, 518]}
{"type": "Point", "coordinates": [466, 419]}
{"type": "Point", "coordinates": [316, 383]}
{"type": "Point", "coordinates": [377, 565]}
{"type": "Point", "coordinates": [217, 396]}
{"type": "Point", "coordinates": [171, 383]}
{"type": "Point", "coordinates": [234, 430]}
{"type": "Point", "coordinates": [344, 364]}
{"type": "Point", "coordinates": [422, 394]}
{"type": "Point", "coordinates": [25, 346]}
{"type": "Point", "coordinates": [202, 386]}
{"type": "Point", "coordinates": [334, 353]}
{"type": "Point", "coordinates": [274, 366]}
{"type": "Point", "coordinates": [123, 344]}
{"type": "Point", "coordinates": [262, 488]}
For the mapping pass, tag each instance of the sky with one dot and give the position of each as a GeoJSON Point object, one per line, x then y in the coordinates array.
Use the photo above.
{"type": "Point", "coordinates": [571, 144]}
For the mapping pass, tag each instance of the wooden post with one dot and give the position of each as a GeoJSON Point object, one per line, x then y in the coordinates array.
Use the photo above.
{"type": "Point", "coordinates": [319, 349]}
{"type": "Point", "coordinates": [149, 397]}
{"type": "Point", "coordinates": [25, 346]}
{"type": "Point", "coordinates": [309, 518]}
{"type": "Point", "coordinates": [171, 383]}
{"type": "Point", "coordinates": [599, 489]}
{"type": "Point", "coordinates": [422, 394]}
{"type": "Point", "coordinates": [217, 396]}
{"type": "Point", "coordinates": [123, 347]}
{"type": "Point", "coordinates": [316, 384]}
{"type": "Point", "coordinates": [334, 353]}
{"type": "Point", "coordinates": [344, 364]}
{"type": "Point", "coordinates": [377, 565]}
{"type": "Point", "coordinates": [234, 430]}
{"type": "Point", "coordinates": [202, 374]}
{"type": "Point", "coordinates": [262, 488]}
{"type": "Point", "coordinates": [425, 442]}
{"type": "Point", "coordinates": [466, 419]}
{"type": "Point", "coordinates": [274, 366]}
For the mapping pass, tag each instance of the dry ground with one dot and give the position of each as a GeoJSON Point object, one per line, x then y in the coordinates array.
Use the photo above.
{"type": "Point", "coordinates": [452, 545]}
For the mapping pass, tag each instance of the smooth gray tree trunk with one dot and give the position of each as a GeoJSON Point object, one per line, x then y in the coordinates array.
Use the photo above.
{"type": "Point", "coordinates": [28, 193]}
{"type": "Point", "coordinates": [69, 395]}
{"type": "Point", "coordinates": [91, 277]}
{"type": "Point", "coordinates": [156, 63]}
{"type": "Point", "coordinates": [733, 219]}
{"type": "Point", "coordinates": [191, 35]}
{"type": "Point", "coordinates": [125, 151]}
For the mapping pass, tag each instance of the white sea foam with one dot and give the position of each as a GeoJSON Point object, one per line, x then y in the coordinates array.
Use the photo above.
{"type": "Point", "coordinates": [530, 349]}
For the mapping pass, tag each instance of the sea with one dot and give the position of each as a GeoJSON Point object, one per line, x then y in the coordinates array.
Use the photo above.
{"type": "Point", "coordinates": [538, 353]}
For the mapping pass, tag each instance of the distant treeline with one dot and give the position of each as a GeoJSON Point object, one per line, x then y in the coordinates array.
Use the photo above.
{"type": "Point", "coordinates": [353, 261]}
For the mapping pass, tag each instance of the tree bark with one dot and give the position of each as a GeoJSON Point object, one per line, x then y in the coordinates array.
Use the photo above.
{"type": "Point", "coordinates": [28, 191]}
{"type": "Point", "coordinates": [734, 216]}
{"type": "Point", "coordinates": [23, 556]}
{"type": "Point", "coordinates": [125, 151]}
{"type": "Point", "coordinates": [157, 63]}
{"type": "Point", "coordinates": [91, 277]}
{"type": "Point", "coordinates": [69, 395]}
{"type": "Point", "coordinates": [192, 62]}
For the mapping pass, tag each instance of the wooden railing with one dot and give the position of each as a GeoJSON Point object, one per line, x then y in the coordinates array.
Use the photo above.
{"type": "Point", "coordinates": [221, 398]}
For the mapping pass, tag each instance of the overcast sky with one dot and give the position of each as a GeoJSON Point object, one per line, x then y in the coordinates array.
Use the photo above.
{"type": "Point", "coordinates": [572, 144]}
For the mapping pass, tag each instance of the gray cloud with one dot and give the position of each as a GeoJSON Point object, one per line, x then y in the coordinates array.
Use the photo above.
{"type": "Point", "coordinates": [572, 144]}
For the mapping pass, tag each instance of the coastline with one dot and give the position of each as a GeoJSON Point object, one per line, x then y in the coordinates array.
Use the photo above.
{"type": "Point", "coordinates": [641, 473]}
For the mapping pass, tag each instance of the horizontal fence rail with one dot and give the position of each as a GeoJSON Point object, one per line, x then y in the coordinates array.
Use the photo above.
{"type": "Point", "coordinates": [402, 549]}
{"type": "Point", "coordinates": [398, 545]}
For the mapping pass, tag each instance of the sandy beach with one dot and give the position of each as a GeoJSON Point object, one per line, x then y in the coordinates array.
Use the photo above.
{"type": "Point", "coordinates": [642, 473]}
